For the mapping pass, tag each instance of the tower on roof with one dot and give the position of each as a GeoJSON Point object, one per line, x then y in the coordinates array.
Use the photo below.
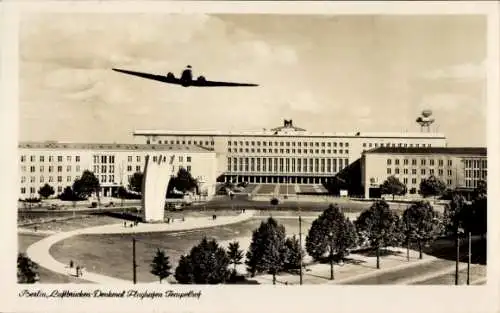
{"type": "Point", "coordinates": [425, 120]}
{"type": "Point", "coordinates": [287, 126]}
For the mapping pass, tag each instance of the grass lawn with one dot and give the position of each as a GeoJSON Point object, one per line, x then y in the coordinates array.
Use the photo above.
{"type": "Point", "coordinates": [46, 276]}
{"type": "Point", "coordinates": [112, 254]}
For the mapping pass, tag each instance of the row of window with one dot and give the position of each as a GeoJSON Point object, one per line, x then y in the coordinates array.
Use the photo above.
{"type": "Point", "coordinates": [138, 158]}
{"type": "Point", "coordinates": [137, 168]}
{"type": "Point", "coordinates": [50, 158]}
{"type": "Point", "coordinates": [103, 169]}
{"type": "Point", "coordinates": [477, 174]}
{"type": "Point", "coordinates": [286, 165]}
{"type": "Point", "coordinates": [106, 178]}
{"type": "Point", "coordinates": [287, 143]}
{"type": "Point", "coordinates": [50, 168]}
{"type": "Point", "coordinates": [50, 179]}
{"type": "Point", "coordinates": [104, 159]}
{"type": "Point", "coordinates": [183, 142]}
{"type": "Point", "coordinates": [33, 190]}
{"type": "Point", "coordinates": [405, 145]}
{"type": "Point", "coordinates": [180, 158]}
{"type": "Point", "coordinates": [287, 151]}
{"type": "Point", "coordinates": [422, 162]}
{"type": "Point", "coordinates": [414, 181]}
{"type": "Point", "coordinates": [475, 164]}
{"type": "Point", "coordinates": [423, 171]}
{"type": "Point", "coordinates": [471, 183]}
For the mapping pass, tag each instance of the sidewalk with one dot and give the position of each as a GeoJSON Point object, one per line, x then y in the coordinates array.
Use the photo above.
{"type": "Point", "coordinates": [358, 267]}
{"type": "Point", "coordinates": [39, 251]}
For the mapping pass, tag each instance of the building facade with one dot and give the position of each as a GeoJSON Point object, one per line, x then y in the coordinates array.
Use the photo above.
{"type": "Point", "coordinates": [60, 164]}
{"type": "Point", "coordinates": [287, 153]}
{"type": "Point", "coordinates": [456, 167]}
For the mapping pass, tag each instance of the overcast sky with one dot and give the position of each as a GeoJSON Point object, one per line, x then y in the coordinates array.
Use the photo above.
{"type": "Point", "coordinates": [327, 73]}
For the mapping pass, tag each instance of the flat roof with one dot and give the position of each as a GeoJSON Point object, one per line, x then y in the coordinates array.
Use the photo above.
{"type": "Point", "coordinates": [271, 133]}
{"type": "Point", "coordinates": [110, 146]}
{"type": "Point", "coordinates": [430, 150]}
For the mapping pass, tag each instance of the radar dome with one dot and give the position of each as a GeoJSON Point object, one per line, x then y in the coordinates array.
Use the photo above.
{"type": "Point", "coordinates": [426, 113]}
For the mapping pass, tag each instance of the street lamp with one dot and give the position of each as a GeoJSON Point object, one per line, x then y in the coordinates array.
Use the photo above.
{"type": "Point", "coordinates": [457, 261]}
{"type": "Point", "coordinates": [331, 255]}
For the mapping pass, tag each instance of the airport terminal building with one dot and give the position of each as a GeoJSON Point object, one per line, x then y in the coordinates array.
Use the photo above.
{"type": "Point", "coordinates": [287, 154]}
{"type": "Point", "coordinates": [60, 164]}
{"type": "Point", "coordinates": [283, 160]}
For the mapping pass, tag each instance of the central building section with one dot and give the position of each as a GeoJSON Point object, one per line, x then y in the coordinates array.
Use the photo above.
{"type": "Point", "coordinates": [288, 154]}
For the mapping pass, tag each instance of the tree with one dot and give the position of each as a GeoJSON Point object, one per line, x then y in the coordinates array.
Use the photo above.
{"type": "Point", "coordinates": [86, 185]}
{"type": "Point", "coordinates": [420, 222]}
{"type": "Point", "coordinates": [331, 232]}
{"type": "Point", "coordinates": [182, 182]}
{"type": "Point", "coordinates": [68, 195]}
{"type": "Point", "coordinates": [27, 270]}
{"type": "Point", "coordinates": [160, 266]}
{"type": "Point", "coordinates": [432, 186]}
{"type": "Point", "coordinates": [319, 239]}
{"type": "Point", "coordinates": [393, 186]}
{"type": "Point", "coordinates": [135, 182]}
{"type": "Point", "coordinates": [235, 254]}
{"type": "Point", "coordinates": [379, 225]}
{"type": "Point", "coordinates": [294, 254]}
{"type": "Point", "coordinates": [206, 263]}
{"type": "Point", "coordinates": [455, 213]}
{"type": "Point", "coordinates": [46, 191]}
{"type": "Point", "coordinates": [481, 190]}
{"type": "Point", "coordinates": [184, 273]}
{"type": "Point", "coordinates": [478, 224]}
{"type": "Point", "coordinates": [267, 251]}
{"type": "Point", "coordinates": [122, 192]}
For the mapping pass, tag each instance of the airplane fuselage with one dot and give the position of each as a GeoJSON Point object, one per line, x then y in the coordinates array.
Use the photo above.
{"type": "Point", "coordinates": [186, 78]}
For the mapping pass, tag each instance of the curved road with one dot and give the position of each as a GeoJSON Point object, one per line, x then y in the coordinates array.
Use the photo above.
{"type": "Point", "coordinates": [39, 252]}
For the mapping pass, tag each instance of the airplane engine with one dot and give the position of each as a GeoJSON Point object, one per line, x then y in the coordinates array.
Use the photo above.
{"type": "Point", "coordinates": [170, 75]}
{"type": "Point", "coordinates": [201, 78]}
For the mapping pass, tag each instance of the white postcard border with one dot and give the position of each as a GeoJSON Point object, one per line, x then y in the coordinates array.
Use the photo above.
{"type": "Point", "coordinates": [247, 298]}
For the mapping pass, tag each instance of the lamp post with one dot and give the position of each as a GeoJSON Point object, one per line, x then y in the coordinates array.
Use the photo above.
{"type": "Point", "coordinates": [469, 257]}
{"type": "Point", "coordinates": [300, 246]}
{"type": "Point", "coordinates": [331, 255]}
{"type": "Point", "coordinates": [457, 261]}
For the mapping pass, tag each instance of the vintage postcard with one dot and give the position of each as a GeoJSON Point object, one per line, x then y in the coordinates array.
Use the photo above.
{"type": "Point", "coordinates": [250, 156]}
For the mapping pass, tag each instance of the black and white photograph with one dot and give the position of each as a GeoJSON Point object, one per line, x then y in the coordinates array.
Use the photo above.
{"type": "Point", "coordinates": [174, 149]}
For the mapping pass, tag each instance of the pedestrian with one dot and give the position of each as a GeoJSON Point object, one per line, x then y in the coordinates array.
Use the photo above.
{"type": "Point", "coordinates": [124, 223]}
{"type": "Point", "coordinates": [78, 271]}
{"type": "Point", "coordinates": [71, 264]}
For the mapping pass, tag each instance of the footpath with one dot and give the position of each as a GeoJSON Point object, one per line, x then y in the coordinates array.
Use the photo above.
{"type": "Point", "coordinates": [39, 251]}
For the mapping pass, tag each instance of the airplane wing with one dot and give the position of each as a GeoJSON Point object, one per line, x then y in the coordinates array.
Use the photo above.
{"type": "Point", "coordinates": [208, 83]}
{"type": "Point", "coordinates": [160, 78]}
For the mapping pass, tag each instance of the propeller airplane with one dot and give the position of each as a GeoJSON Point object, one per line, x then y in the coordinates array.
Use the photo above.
{"type": "Point", "coordinates": [185, 80]}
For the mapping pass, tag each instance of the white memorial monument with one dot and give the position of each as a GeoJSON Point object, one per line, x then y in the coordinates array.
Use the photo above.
{"type": "Point", "coordinates": [156, 177]}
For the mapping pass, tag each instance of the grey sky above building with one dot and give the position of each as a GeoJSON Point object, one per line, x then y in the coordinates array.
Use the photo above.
{"type": "Point", "coordinates": [327, 73]}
